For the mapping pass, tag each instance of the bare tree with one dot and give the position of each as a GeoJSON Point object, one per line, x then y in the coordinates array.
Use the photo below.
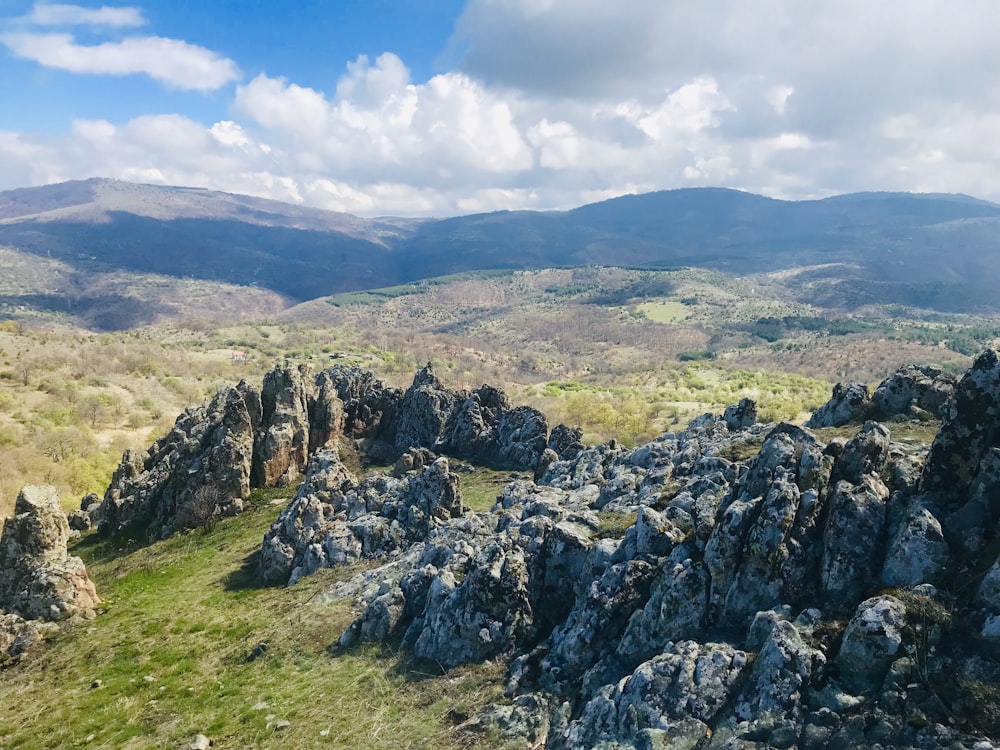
{"type": "Point", "coordinates": [200, 509]}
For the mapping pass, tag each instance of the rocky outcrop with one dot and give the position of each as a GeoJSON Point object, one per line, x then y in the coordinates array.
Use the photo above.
{"type": "Point", "coordinates": [282, 446]}
{"type": "Point", "coordinates": [334, 519]}
{"type": "Point", "coordinates": [202, 468]}
{"type": "Point", "coordinates": [849, 403]}
{"type": "Point", "coordinates": [920, 392]}
{"type": "Point", "coordinates": [913, 392]}
{"type": "Point", "coordinates": [39, 579]}
{"type": "Point", "coordinates": [243, 438]}
{"type": "Point", "coordinates": [668, 596]}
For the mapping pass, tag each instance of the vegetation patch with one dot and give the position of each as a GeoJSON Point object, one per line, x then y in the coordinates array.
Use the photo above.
{"type": "Point", "coordinates": [171, 656]}
{"type": "Point", "coordinates": [614, 524]}
{"type": "Point", "coordinates": [666, 311]}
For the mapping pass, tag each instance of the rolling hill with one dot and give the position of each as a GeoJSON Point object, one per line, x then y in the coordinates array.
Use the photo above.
{"type": "Point", "coordinates": [62, 242]}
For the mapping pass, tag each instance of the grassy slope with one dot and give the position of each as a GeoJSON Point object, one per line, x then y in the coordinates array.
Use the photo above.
{"type": "Point", "coordinates": [170, 647]}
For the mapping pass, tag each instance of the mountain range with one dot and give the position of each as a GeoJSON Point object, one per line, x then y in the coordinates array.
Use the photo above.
{"type": "Point", "coordinates": [60, 243]}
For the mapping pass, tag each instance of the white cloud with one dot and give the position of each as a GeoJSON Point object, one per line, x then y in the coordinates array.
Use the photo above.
{"type": "Point", "coordinates": [59, 14]}
{"type": "Point", "coordinates": [170, 61]}
{"type": "Point", "coordinates": [555, 103]}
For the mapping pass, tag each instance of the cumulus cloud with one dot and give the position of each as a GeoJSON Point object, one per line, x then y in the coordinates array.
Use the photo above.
{"type": "Point", "coordinates": [170, 61]}
{"type": "Point", "coordinates": [60, 14]}
{"type": "Point", "coordinates": [554, 103]}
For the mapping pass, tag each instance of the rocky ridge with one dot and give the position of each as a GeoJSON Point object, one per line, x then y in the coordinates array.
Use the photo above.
{"type": "Point", "coordinates": [731, 585]}
{"type": "Point", "coordinates": [245, 437]}
{"type": "Point", "coordinates": [40, 582]}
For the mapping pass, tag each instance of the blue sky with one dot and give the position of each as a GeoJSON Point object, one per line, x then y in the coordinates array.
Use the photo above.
{"type": "Point", "coordinates": [439, 107]}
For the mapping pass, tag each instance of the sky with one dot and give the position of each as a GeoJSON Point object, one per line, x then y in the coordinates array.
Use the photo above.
{"type": "Point", "coordinates": [444, 107]}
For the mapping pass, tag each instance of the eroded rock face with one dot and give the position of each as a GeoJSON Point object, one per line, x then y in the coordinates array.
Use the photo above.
{"type": "Point", "coordinates": [201, 468]}
{"type": "Point", "coordinates": [849, 403]}
{"type": "Point", "coordinates": [913, 391]}
{"type": "Point", "coordinates": [282, 445]}
{"type": "Point", "coordinates": [39, 580]}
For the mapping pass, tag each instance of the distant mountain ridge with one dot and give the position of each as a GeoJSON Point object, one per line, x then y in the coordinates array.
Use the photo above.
{"type": "Point", "coordinates": [933, 250]}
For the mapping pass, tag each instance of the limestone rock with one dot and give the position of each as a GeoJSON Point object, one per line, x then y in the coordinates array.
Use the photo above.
{"type": "Point", "coordinates": [742, 415]}
{"type": "Point", "coordinates": [873, 639]}
{"type": "Point", "coordinates": [282, 446]}
{"type": "Point", "coordinates": [202, 468]}
{"type": "Point", "coordinates": [912, 391]}
{"type": "Point", "coordinates": [39, 580]}
{"type": "Point", "coordinates": [849, 403]}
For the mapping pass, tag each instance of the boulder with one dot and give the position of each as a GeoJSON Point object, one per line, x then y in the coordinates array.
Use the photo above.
{"type": "Point", "coordinates": [913, 391]}
{"type": "Point", "coordinates": [742, 415]}
{"type": "Point", "coordinates": [39, 579]}
{"type": "Point", "coordinates": [872, 641]}
{"type": "Point", "coordinates": [849, 403]}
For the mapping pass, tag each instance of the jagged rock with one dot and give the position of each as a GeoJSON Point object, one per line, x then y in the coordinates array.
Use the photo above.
{"type": "Point", "coordinates": [853, 541]}
{"type": "Point", "coordinates": [784, 670]}
{"type": "Point", "coordinates": [911, 391]}
{"type": "Point", "coordinates": [469, 432]}
{"type": "Point", "coordinates": [331, 521]}
{"type": "Point", "coordinates": [309, 516]}
{"type": "Point", "coordinates": [873, 638]}
{"type": "Point", "coordinates": [863, 455]}
{"type": "Point", "coordinates": [595, 623]}
{"type": "Point", "coordinates": [414, 459]}
{"type": "Point", "coordinates": [567, 442]}
{"type": "Point", "coordinates": [849, 403]}
{"type": "Point", "coordinates": [676, 609]}
{"type": "Point", "coordinates": [424, 411]}
{"type": "Point", "coordinates": [200, 469]}
{"type": "Point", "coordinates": [742, 415]}
{"type": "Point", "coordinates": [672, 699]}
{"type": "Point", "coordinates": [917, 551]}
{"type": "Point", "coordinates": [366, 412]}
{"type": "Point", "coordinates": [39, 580]}
{"type": "Point", "coordinates": [970, 427]}
{"type": "Point", "coordinates": [282, 447]}
{"type": "Point", "coordinates": [485, 615]}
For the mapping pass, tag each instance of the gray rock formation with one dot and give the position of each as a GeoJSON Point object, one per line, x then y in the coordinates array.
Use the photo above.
{"type": "Point", "coordinates": [39, 580]}
{"type": "Point", "coordinates": [849, 403]}
{"type": "Point", "coordinates": [201, 469]}
{"type": "Point", "coordinates": [680, 629]}
{"type": "Point", "coordinates": [913, 392]}
{"type": "Point", "coordinates": [333, 520]}
{"type": "Point", "coordinates": [241, 439]}
{"type": "Point", "coordinates": [282, 446]}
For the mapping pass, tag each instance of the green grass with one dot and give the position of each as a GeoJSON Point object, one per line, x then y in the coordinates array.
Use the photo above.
{"type": "Point", "coordinates": [170, 647]}
{"type": "Point", "coordinates": [667, 311]}
{"type": "Point", "coordinates": [481, 487]}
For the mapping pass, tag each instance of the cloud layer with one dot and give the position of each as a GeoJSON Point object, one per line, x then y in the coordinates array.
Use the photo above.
{"type": "Point", "coordinates": [553, 103]}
